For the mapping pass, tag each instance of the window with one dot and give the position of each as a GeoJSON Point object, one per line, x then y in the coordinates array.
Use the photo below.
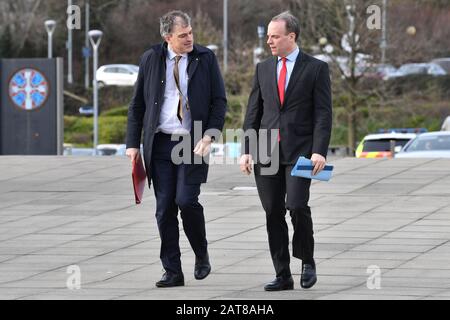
{"type": "Point", "coordinates": [382, 144]}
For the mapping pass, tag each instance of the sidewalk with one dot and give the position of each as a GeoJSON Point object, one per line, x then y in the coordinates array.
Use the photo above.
{"type": "Point", "coordinates": [62, 211]}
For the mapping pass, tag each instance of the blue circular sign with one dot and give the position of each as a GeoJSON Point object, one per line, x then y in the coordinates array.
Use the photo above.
{"type": "Point", "coordinates": [28, 89]}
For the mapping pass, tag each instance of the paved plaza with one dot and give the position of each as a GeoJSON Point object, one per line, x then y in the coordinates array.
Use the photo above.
{"type": "Point", "coordinates": [391, 216]}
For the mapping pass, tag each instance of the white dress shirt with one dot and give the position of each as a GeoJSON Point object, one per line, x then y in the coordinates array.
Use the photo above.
{"type": "Point", "coordinates": [168, 120]}
{"type": "Point", "coordinates": [290, 63]}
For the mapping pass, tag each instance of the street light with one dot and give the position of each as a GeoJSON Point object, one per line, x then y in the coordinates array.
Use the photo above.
{"type": "Point", "coordinates": [323, 41]}
{"type": "Point", "coordinates": [225, 35]}
{"type": "Point", "coordinates": [95, 36]}
{"type": "Point", "coordinates": [50, 26]}
{"type": "Point", "coordinates": [69, 48]}
{"type": "Point", "coordinates": [383, 44]}
{"type": "Point", "coordinates": [86, 49]}
{"type": "Point", "coordinates": [260, 31]}
{"type": "Point", "coordinates": [411, 30]}
{"type": "Point", "coordinates": [258, 52]}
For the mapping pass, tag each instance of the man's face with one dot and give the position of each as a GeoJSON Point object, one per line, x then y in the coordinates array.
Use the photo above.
{"type": "Point", "coordinates": [181, 40]}
{"type": "Point", "coordinates": [280, 42]}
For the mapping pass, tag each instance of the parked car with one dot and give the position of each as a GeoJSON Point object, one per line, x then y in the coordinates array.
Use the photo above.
{"type": "Point", "coordinates": [446, 124]}
{"type": "Point", "coordinates": [80, 152]}
{"type": "Point", "coordinates": [418, 68]}
{"type": "Point", "coordinates": [377, 71]}
{"type": "Point", "coordinates": [361, 62]}
{"type": "Point", "coordinates": [378, 145]}
{"type": "Point", "coordinates": [443, 62]}
{"type": "Point", "coordinates": [111, 149]}
{"type": "Point", "coordinates": [428, 145]}
{"type": "Point", "coordinates": [86, 110]}
{"type": "Point", "coordinates": [117, 75]}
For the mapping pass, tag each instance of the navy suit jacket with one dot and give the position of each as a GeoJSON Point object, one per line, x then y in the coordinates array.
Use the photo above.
{"type": "Point", "coordinates": [206, 95]}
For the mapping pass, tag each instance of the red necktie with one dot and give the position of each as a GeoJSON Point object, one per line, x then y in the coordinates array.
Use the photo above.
{"type": "Point", "coordinates": [282, 81]}
{"type": "Point", "coordinates": [281, 86]}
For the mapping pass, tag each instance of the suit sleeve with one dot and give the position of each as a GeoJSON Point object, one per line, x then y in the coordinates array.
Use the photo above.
{"type": "Point", "coordinates": [218, 109]}
{"type": "Point", "coordinates": [254, 112]}
{"type": "Point", "coordinates": [322, 111]}
{"type": "Point", "coordinates": [136, 109]}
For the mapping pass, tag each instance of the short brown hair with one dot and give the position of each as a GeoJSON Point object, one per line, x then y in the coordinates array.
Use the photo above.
{"type": "Point", "coordinates": [292, 23]}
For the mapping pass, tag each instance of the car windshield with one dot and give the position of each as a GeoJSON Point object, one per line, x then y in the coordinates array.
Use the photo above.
{"type": "Point", "coordinates": [430, 143]}
{"type": "Point", "coordinates": [382, 144]}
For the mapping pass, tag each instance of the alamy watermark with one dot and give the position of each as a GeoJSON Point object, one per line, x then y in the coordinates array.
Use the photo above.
{"type": "Point", "coordinates": [374, 280]}
{"type": "Point", "coordinates": [373, 22]}
{"type": "Point", "coordinates": [73, 17]}
{"type": "Point", "coordinates": [263, 145]}
{"type": "Point", "coordinates": [74, 280]}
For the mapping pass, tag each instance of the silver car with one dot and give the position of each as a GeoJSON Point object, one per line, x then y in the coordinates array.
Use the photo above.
{"type": "Point", "coordinates": [432, 69]}
{"type": "Point", "coordinates": [427, 145]}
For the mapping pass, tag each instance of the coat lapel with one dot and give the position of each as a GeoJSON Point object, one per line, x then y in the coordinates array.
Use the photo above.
{"type": "Point", "coordinates": [274, 81]}
{"type": "Point", "coordinates": [300, 64]}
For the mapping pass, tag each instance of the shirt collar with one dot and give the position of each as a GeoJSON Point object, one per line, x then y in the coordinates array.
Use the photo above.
{"type": "Point", "coordinates": [172, 54]}
{"type": "Point", "coordinates": [292, 56]}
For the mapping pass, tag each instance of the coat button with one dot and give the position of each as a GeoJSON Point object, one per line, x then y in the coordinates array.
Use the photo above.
{"type": "Point", "coordinates": [156, 102]}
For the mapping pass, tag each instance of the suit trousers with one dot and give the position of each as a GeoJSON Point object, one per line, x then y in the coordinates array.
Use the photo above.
{"type": "Point", "coordinates": [174, 193]}
{"type": "Point", "coordinates": [278, 193]}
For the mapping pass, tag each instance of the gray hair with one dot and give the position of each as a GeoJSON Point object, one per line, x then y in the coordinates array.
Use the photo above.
{"type": "Point", "coordinates": [292, 24]}
{"type": "Point", "coordinates": [167, 21]}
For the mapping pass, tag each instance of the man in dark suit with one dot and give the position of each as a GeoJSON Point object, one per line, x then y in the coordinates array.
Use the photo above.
{"type": "Point", "coordinates": [179, 84]}
{"type": "Point", "coordinates": [291, 96]}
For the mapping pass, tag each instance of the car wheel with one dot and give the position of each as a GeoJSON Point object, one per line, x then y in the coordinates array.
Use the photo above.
{"type": "Point", "coordinates": [101, 84]}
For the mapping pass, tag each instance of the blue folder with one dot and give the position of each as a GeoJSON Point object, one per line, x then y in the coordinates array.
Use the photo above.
{"type": "Point", "coordinates": [303, 168]}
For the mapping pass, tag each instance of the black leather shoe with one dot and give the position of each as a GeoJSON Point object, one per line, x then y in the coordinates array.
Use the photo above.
{"type": "Point", "coordinates": [170, 279]}
{"type": "Point", "coordinates": [280, 284]}
{"type": "Point", "coordinates": [309, 277]}
{"type": "Point", "coordinates": [202, 267]}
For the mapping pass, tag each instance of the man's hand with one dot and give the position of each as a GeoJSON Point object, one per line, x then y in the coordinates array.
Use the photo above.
{"type": "Point", "coordinates": [318, 162]}
{"type": "Point", "coordinates": [245, 164]}
{"type": "Point", "coordinates": [133, 154]}
{"type": "Point", "coordinates": [203, 147]}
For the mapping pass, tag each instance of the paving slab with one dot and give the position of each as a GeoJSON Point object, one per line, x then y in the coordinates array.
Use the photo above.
{"type": "Point", "coordinates": [390, 216]}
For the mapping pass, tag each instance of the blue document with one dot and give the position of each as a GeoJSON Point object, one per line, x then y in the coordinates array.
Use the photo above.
{"type": "Point", "coordinates": [303, 168]}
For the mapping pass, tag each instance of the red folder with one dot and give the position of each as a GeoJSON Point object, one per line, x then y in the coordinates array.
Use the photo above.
{"type": "Point", "coordinates": [139, 178]}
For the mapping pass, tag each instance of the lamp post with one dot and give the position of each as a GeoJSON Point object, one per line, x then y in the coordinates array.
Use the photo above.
{"type": "Point", "coordinates": [225, 35]}
{"type": "Point", "coordinates": [383, 44]}
{"type": "Point", "coordinates": [69, 49]}
{"type": "Point", "coordinates": [258, 52]}
{"type": "Point", "coordinates": [86, 48]}
{"type": "Point", "coordinates": [95, 36]}
{"type": "Point", "coordinates": [50, 26]}
{"type": "Point", "coordinates": [260, 31]}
